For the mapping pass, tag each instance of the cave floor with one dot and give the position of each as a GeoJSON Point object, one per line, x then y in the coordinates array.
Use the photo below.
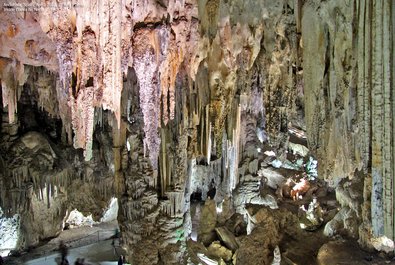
{"type": "Point", "coordinates": [91, 243]}
{"type": "Point", "coordinates": [102, 253]}
{"type": "Point", "coordinates": [316, 249]}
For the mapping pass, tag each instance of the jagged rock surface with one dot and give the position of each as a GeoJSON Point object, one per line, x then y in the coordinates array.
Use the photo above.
{"type": "Point", "coordinates": [169, 97]}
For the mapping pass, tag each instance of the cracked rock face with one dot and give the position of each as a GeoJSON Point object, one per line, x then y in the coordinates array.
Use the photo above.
{"type": "Point", "coordinates": [153, 101]}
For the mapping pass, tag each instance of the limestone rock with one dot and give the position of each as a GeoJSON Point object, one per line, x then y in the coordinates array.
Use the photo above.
{"type": "Point", "coordinates": [267, 227]}
{"type": "Point", "coordinates": [312, 217]}
{"type": "Point", "coordinates": [345, 222]}
{"type": "Point", "coordinates": [298, 149]}
{"type": "Point", "coordinates": [227, 210]}
{"type": "Point", "coordinates": [350, 194]}
{"type": "Point", "coordinates": [338, 252]}
{"type": "Point", "coordinates": [208, 222]}
{"type": "Point", "coordinates": [209, 81]}
{"type": "Point", "coordinates": [227, 238]}
{"type": "Point", "coordinates": [259, 245]}
{"type": "Point", "coordinates": [383, 243]}
{"type": "Point", "coordinates": [217, 250]}
{"type": "Point", "coordinates": [276, 256]}
{"type": "Point", "coordinates": [274, 179]}
{"type": "Point", "coordinates": [236, 225]}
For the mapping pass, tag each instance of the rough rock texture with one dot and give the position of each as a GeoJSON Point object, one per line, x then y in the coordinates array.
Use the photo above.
{"type": "Point", "coordinates": [218, 251]}
{"type": "Point", "coordinates": [208, 222]}
{"type": "Point", "coordinates": [348, 85]}
{"type": "Point", "coordinates": [41, 179]}
{"type": "Point", "coordinates": [269, 228]}
{"type": "Point", "coordinates": [171, 98]}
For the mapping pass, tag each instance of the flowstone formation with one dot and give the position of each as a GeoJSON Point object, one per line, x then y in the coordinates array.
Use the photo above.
{"type": "Point", "coordinates": [42, 179]}
{"type": "Point", "coordinates": [165, 104]}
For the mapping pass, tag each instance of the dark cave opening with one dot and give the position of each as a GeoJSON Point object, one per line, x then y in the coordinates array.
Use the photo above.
{"type": "Point", "coordinates": [196, 196]}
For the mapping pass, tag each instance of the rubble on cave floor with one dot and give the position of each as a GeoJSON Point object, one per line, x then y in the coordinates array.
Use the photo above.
{"type": "Point", "coordinates": [268, 231]}
{"type": "Point", "coordinates": [287, 229]}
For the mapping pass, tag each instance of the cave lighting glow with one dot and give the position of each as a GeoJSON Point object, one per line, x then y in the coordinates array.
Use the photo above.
{"type": "Point", "coordinates": [111, 213]}
{"type": "Point", "coordinates": [270, 153]}
{"type": "Point", "coordinates": [9, 233]}
{"type": "Point", "coordinates": [219, 207]}
{"type": "Point", "coordinates": [77, 219]}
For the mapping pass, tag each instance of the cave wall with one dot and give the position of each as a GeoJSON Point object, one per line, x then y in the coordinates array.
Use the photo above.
{"type": "Point", "coordinates": [164, 93]}
{"type": "Point", "coordinates": [348, 80]}
{"type": "Point", "coordinates": [42, 177]}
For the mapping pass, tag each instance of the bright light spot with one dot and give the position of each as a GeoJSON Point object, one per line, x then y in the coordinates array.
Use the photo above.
{"type": "Point", "coordinates": [258, 149]}
{"type": "Point", "coordinates": [277, 163]}
{"type": "Point", "coordinates": [206, 260]}
{"type": "Point", "coordinates": [194, 236]}
{"type": "Point", "coordinates": [128, 145]}
{"type": "Point", "coordinates": [77, 219]}
{"type": "Point", "coordinates": [297, 132]}
{"type": "Point", "coordinates": [111, 213]}
{"type": "Point", "coordinates": [9, 232]}
{"type": "Point", "coordinates": [270, 153]}
{"type": "Point", "coordinates": [303, 226]}
{"type": "Point", "coordinates": [219, 207]}
{"type": "Point", "coordinates": [383, 243]}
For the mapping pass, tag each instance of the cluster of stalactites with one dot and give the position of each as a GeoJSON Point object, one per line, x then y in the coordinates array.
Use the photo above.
{"type": "Point", "coordinates": [95, 50]}
{"type": "Point", "coordinates": [174, 206]}
{"type": "Point", "coordinates": [12, 76]}
{"type": "Point", "coordinates": [26, 183]}
{"type": "Point", "coordinates": [89, 52]}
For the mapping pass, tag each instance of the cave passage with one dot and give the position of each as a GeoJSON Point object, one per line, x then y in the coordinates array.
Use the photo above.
{"type": "Point", "coordinates": [197, 132]}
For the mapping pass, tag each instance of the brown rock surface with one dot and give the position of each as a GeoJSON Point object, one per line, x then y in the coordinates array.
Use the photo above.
{"type": "Point", "coordinates": [165, 98]}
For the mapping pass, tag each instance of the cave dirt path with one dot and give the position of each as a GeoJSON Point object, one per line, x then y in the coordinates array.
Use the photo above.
{"type": "Point", "coordinates": [92, 243]}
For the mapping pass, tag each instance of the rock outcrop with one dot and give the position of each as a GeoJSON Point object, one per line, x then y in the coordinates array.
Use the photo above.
{"type": "Point", "coordinates": [154, 101]}
{"type": "Point", "coordinates": [348, 78]}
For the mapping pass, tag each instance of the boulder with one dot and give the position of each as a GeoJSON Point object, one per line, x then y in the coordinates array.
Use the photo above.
{"type": "Point", "coordinates": [236, 225]}
{"type": "Point", "coordinates": [258, 247]}
{"type": "Point", "coordinates": [344, 223]}
{"type": "Point", "coordinates": [219, 251]}
{"type": "Point", "coordinates": [208, 221]}
{"type": "Point", "coordinates": [274, 179]}
{"type": "Point", "coordinates": [383, 243]}
{"type": "Point", "coordinates": [298, 149]}
{"type": "Point", "coordinates": [227, 238]}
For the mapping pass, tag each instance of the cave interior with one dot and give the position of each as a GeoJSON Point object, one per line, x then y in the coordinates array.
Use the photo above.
{"type": "Point", "coordinates": [224, 131]}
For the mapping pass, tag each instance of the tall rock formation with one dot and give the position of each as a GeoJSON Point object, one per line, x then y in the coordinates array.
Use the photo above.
{"type": "Point", "coordinates": [163, 95]}
{"type": "Point", "coordinates": [349, 98]}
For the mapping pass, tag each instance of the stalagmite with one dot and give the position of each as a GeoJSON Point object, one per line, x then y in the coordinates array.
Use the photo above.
{"type": "Point", "coordinates": [145, 64]}
{"type": "Point", "coordinates": [175, 101]}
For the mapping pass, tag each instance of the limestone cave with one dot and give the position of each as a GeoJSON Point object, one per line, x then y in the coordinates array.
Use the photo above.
{"type": "Point", "coordinates": [210, 132]}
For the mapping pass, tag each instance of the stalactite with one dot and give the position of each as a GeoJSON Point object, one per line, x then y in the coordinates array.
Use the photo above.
{"type": "Point", "coordinates": [382, 170]}
{"type": "Point", "coordinates": [112, 71]}
{"type": "Point", "coordinates": [43, 83]}
{"type": "Point", "coordinates": [83, 113]}
{"type": "Point", "coordinates": [146, 70]}
{"type": "Point", "coordinates": [12, 77]}
{"type": "Point", "coordinates": [163, 162]}
{"type": "Point", "coordinates": [95, 57]}
{"type": "Point", "coordinates": [168, 72]}
{"type": "Point", "coordinates": [174, 205]}
{"type": "Point", "coordinates": [48, 191]}
{"type": "Point", "coordinates": [119, 138]}
{"type": "Point", "coordinates": [65, 51]}
{"type": "Point", "coordinates": [234, 152]}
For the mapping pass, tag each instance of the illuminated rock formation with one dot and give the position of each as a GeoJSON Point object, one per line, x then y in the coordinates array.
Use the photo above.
{"type": "Point", "coordinates": [154, 101]}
